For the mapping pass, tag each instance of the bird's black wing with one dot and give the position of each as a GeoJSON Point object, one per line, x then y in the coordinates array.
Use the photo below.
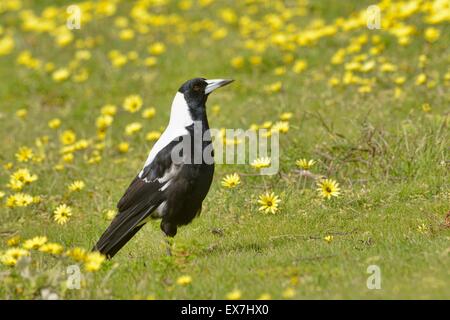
{"type": "Point", "coordinates": [142, 197]}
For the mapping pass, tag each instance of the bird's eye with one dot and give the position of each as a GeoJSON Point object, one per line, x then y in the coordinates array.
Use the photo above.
{"type": "Point", "coordinates": [197, 87]}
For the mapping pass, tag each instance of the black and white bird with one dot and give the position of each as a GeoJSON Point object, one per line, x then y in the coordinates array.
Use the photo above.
{"type": "Point", "coordinates": [172, 184]}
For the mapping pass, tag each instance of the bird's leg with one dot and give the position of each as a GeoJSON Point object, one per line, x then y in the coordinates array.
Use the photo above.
{"type": "Point", "coordinates": [169, 232]}
{"type": "Point", "coordinates": [168, 246]}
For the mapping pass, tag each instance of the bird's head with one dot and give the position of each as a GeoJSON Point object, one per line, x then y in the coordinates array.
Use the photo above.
{"type": "Point", "coordinates": [197, 90]}
{"type": "Point", "coordinates": [190, 100]}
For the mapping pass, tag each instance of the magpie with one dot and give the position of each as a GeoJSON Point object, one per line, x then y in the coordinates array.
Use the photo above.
{"type": "Point", "coordinates": [173, 182]}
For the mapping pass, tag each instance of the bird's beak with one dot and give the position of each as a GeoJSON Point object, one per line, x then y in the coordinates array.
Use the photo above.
{"type": "Point", "coordinates": [214, 84]}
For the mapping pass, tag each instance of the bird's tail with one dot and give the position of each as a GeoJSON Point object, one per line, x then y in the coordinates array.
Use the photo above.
{"type": "Point", "coordinates": [109, 243]}
{"type": "Point", "coordinates": [123, 227]}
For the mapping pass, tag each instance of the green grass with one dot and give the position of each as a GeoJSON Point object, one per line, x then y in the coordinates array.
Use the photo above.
{"type": "Point", "coordinates": [390, 157]}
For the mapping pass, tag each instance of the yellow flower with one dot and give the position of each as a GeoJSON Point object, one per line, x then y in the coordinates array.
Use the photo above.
{"type": "Point", "coordinates": [328, 238]}
{"type": "Point", "coordinates": [81, 144]}
{"type": "Point", "coordinates": [280, 126]}
{"type": "Point", "coordinates": [77, 254]}
{"type": "Point", "coordinates": [150, 61]}
{"type": "Point", "coordinates": [60, 75]}
{"type": "Point", "coordinates": [399, 80]}
{"type": "Point", "coordinates": [421, 79]}
{"type": "Point", "coordinates": [93, 261]}
{"type": "Point", "coordinates": [299, 66]}
{"type": "Point", "coordinates": [259, 163]}
{"type": "Point", "coordinates": [234, 295]}
{"type": "Point", "coordinates": [83, 55]}
{"type": "Point", "coordinates": [237, 62]}
{"type": "Point", "coordinates": [123, 147]}
{"type": "Point", "coordinates": [269, 202]}
{"type": "Point", "coordinates": [153, 136]}
{"type": "Point", "coordinates": [81, 76]}
{"type": "Point", "coordinates": [54, 123]}
{"type": "Point", "coordinates": [285, 116]}
{"type": "Point", "coordinates": [118, 60]}
{"type": "Point", "coordinates": [398, 92]}
{"type": "Point", "coordinates": [231, 180]}
{"type": "Point", "coordinates": [426, 107]}
{"type": "Point", "coordinates": [51, 248]}
{"type": "Point", "coordinates": [333, 81]}
{"type": "Point", "coordinates": [255, 60]}
{"type": "Point", "coordinates": [305, 164]}
{"type": "Point", "coordinates": [148, 113]}
{"type": "Point", "coordinates": [110, 214]}
{"type": "Point", "coordinates": [67, 137]}
{"type": "Point", "coordinates": [20, 178]}
{"type": "Point", "coordinates": [432, 34]}
{"type": "Point", "coordinates": [365, 89]}
{"type": "Point", "coordinates": [11, 256]}
{"type": "Point", "coordinates": [8, 166]}
{"type": "Point", "coordinates": [13, 241]}
{"type": "Point", "coordinates": [62, 214]}
{"type": "Point", "coordinates": [35, 243]}
{"type": "Point", "coordinates": [19, 200]}
{"type": "Point", "coordinates": [103, 122]}
{"type": "Point", "coordinates": [15, 185]}
{"type": "Point", "coordinates": [279, 71]}
{"type": "Point", "coordinates": [184, 280]}
{"type": "Point", "coordinates": [219, 33]}
{"type": "Point", "coordinates": [328, 188]}
{"type": "Point", "coordinates": [68, 158]}
{"type": "Point", "coordinates": [266, 125]}
{"type": "Point", "coordinates": [126, 34]}
{"type": "Point", "coordinates": [21, 113]}
{"type": "Point", "coordinates": [108, 110]}
{"type": "Point", "coordinates": [185, 4]}
{"type": "Point", "coordinates": [132, 128]}
{"type": "Point", "coordinates": [133, 103]}
{"type": "Point", "coordinates": [388, 67]}
{"type": "Point", "coordinates": [274, 87]}
{"type": "Point", "coordinates": [6, 45]}
{"type": "Point", "coordinates": [228, 15]}
{"type": "Point", "coordinates": [24, 154]}
{"type": "Point", "coordinates": [205, 3]}
{"type": "Point", "coordinates": [288, 293]}
{"type": "Point", "coordinates": [77, 185]}
{"type": "Point", "coordinates": [157, 48]}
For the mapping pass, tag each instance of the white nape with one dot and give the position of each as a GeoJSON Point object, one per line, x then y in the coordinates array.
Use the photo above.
{"type": "Point", "coordinates": [180, 118]}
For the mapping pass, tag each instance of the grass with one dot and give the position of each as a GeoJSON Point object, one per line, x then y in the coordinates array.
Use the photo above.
{"type": "Point", "coordinates": [390, 157]}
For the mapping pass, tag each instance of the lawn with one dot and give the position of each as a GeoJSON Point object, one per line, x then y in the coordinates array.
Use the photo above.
{"type": "Point", "coordinates": [370, 106]}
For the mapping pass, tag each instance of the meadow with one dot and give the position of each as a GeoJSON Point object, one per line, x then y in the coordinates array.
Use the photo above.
{"type": "Point", "coordinates": [365, 108]}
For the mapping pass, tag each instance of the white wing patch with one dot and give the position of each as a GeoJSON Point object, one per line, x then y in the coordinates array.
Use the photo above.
{"type": "Point", "coordinates": [180, 118]}
{"type": "Point", "coordinates": [159, 212]}
{"type": "Point", "coordinates": [168, 176]}
{"type": "Point", "coordinates": [164, 187]}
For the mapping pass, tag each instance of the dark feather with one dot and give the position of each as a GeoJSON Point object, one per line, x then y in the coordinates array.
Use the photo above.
{"type": "Point", "coordinates": [140, 199]}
